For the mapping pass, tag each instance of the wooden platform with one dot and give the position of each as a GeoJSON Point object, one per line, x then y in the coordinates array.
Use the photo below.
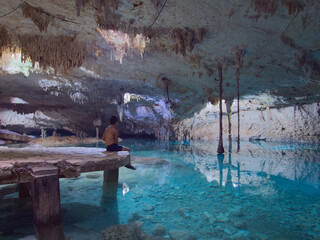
{"type": "Point", "coordinates": [37, 170]}
{"type": "Point", "coordinates": [18, 165]}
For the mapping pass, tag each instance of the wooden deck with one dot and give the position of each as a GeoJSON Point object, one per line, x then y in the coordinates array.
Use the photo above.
{"type": "Point", "coordinates": [37, 170]}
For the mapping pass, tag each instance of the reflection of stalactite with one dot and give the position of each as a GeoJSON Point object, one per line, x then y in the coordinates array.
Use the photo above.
{"type": "Point", "coordinates": [220, 163]}
{"type": "Point", "coordinates": [220, 147]}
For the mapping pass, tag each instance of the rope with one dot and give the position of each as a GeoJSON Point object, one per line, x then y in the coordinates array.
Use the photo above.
{"type": "Point", "coordinates": [12, 10]}
{"type": "Point", "coordinates": [53, 16]}
{"type": "Point", "coordinates": [158, 14]}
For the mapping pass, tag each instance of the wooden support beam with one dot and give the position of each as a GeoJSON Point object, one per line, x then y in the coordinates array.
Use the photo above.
{"type": "Point", "coordinates": [111, 175]}
{"type": "Point", "coordinates": [24, 190]}
{"type": "Point", "coordinates": [45, 193]}
{"type": "Point", "coordinates": [109, 202]}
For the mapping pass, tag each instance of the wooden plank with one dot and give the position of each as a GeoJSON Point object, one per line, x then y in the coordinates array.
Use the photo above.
{"type": "Point", "coordinates": [13, 136]}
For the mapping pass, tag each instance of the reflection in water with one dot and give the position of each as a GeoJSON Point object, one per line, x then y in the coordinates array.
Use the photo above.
{"type": "Point", "coordinates": [186, 187]}
{"type": "Point", "coordinates": [287, 161]}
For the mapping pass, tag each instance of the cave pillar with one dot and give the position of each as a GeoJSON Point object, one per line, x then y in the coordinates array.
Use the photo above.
{"type": "Point", "coordinates": [54, 133]}
{"type": "Point", "coordinates": [229, 103]}
{"type": "Point", "coordinates": [238, 98]}
{"type": "Point", "coordinates": [220, 146]}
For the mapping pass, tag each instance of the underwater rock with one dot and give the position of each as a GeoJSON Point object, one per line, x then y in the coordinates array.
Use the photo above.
{"type": "Point", "coordinates": [241, 235]}
{"type": "Point", "coordinates": [149, 161]}
{"type": "Point", "coordinates": [159, 230]}
{"type": "Point", "coordinates": [261, 236]}
{"type": "Point", "coordinates": [147, 207]}
{"type": "Point", "coordinates": [131, 231]}
{"type": "Point", "coordinates": [134, 217]}
{"type": "Point", "coordinates": [93, 175]}
{"type": "Point", "coordinates": [222, 217]}
{"type": "Point", "coordinates": [183, 213]}
{"type": "Point", "coordinates": [181, 234]}
{"type": "Point", "coordinates": [257, 138]}
{"type": "Point", "coordinates": [2, 142]}
{"type": "Point", "coordinates": [240, 224]}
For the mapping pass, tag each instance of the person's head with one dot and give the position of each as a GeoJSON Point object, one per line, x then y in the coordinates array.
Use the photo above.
{"type": "Point", "coordinates": [114, 120]}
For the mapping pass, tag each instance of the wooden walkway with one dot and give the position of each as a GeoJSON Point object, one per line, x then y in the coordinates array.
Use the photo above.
{"type": "Point", "coordinates": [37, 171]}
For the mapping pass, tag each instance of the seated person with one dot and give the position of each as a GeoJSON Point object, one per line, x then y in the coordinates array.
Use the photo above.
{"type": "Point", "coordinates": [110, 137]}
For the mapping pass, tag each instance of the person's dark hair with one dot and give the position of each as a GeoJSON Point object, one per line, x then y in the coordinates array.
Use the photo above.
{"type": "Point", "coordinates": [113, 120]}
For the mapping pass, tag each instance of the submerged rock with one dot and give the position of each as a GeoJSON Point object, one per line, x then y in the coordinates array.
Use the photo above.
{"type": "Point", "coordinates": [149, 161]}
{"type": "Point", "coordinates": [257, 138]}
{"type": "Point", "coordinates": [131, 231]}
{"type": "Point", "coordinates": [159, 230]}
{"type": "Point", "coordinates": [147, 207]}
{"type": "Point", "coordinates": [182, 234]}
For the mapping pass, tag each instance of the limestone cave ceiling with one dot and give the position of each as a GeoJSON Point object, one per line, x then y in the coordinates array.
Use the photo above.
{"type": "Point", "coordinates": [153, 60]}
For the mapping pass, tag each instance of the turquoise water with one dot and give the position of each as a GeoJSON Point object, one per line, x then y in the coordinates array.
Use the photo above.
{"type": "Point", "coordinates": [266, 191]}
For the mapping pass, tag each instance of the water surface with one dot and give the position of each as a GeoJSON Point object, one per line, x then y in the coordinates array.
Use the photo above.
{"type": "Point", "coordinates": [266, 191]}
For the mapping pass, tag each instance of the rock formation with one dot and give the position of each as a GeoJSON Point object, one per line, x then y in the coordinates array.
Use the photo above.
{"type": "Point", "coordinates": [69, 62]}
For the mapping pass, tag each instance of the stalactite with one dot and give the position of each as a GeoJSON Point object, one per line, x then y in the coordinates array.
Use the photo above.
{"type": "Point", "coordinates": [186, 38]}
{"type": "Point", "coordinates": [58, 52]}
{"type": "Point", "coordinates": [155, 2]}
{"type": "Point", "coordinates": [165, 82]}
{"type": "Point", "coordinates": [308, 61]}
{"type": "Point", "coordinates": [97, 4]}
{"type": "Point", "coordinates": [270, 6]}
{"type": "Point", "coordinates": [238, 55]}
{"type": "Point", "coordinates": [220, 146]}
{"type": "Point", "coordinates": [238, 107]}
{"type": "Point", "coordinates": [37, 15]}
{"type": "Point", "coordinates": [266, 6]}
{"type": "Point", "coordinates": [294, 6]}
{"type": "Point", "coordinates": [4, 39]}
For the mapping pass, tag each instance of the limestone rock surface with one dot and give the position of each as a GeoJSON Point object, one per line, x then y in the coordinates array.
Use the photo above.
{"type": "Point", "coordinates": [66, 64]}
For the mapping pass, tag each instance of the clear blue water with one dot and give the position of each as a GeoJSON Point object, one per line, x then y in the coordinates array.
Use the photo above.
{"type": "Point", "coordinates": [266, 191]}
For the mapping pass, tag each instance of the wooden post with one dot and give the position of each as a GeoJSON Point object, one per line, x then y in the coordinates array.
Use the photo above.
{"type": "Point", "coordinates": [45, 193]}
{"type": "Point", "coordinates": [24, 190]}
{"type": "Point", "coordinates": [109, 202]}
{"type": "Point", "coordinates": [111, 175]}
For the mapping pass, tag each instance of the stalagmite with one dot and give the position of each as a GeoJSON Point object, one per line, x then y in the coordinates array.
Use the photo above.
{"type": "Point", "coordinates": [220, 147]}
{"type": "Point", "coordinates": [97, 124]}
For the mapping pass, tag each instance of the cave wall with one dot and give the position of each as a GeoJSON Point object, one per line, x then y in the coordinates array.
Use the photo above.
{"type": "Point", "coordinates": [291, 123]}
